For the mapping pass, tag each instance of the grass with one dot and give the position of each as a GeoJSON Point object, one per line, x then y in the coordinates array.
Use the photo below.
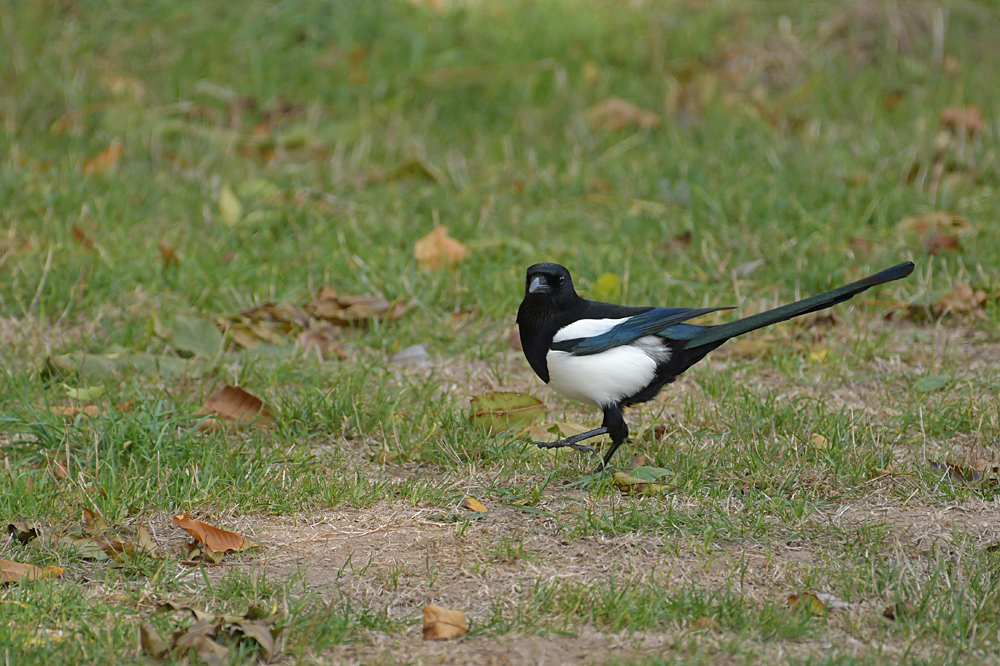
{"type": "Point", "coordinates": [796, 134]}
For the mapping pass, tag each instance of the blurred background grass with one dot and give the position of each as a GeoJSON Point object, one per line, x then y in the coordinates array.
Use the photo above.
{"type": "Point", "coordinates": [794, 133]}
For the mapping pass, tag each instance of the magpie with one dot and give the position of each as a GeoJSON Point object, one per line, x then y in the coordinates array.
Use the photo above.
{"type": "Point", "coordinates": [612, 356]}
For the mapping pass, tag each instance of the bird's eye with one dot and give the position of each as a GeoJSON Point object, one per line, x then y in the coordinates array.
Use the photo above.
{"type": "Point", "coordinates": [562, 280]}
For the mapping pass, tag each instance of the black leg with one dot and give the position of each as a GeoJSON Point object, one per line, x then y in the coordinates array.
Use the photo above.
{"type": "Point", "coordinates": [614, 423]}
{"type": "Point", "coordinates": [571, 442]}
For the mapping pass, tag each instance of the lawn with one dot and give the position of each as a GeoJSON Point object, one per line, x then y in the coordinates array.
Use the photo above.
{"type": "Point", "coordinates": [195, 195]}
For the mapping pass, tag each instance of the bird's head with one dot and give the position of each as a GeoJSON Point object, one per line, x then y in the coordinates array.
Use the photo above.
{"type": "Point", "coordinates": [550, 283]}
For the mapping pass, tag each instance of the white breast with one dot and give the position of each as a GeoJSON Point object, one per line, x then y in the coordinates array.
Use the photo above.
{"type": "Point", "coordinates": [606, 378]}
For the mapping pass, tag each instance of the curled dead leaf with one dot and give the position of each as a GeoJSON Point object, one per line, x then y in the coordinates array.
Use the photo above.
{"type": "Point", "coordinates": [964, 300]}
{"type": "Point", "coordinates": [442, 623]}
{"type": "Point", "coordinates": [22, 530]}
{"type": "Point", "coordinates": [235, 406]}
{"type": "Point", "coordinates": [105, 160]}
{"type": "Point", "coordinates": [217, 539]}
{"type": "Point", "coordinates": [615, 115]}
{"type": "Point", "coordinates": [472, 504]}
{"type": "Point", "coordinates": [963, 119]}
{"type": "Point", "coordinates": [439, 250]}
{"type": "Point", "coordinates": [899, 611]}
{"type": "Point", "coordinates": [15, 572]}
{"type": "Point", "coordinates": [938, 243]}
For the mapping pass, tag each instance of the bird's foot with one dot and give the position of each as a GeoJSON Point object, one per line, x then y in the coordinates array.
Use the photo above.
{"type": "Point", "coordinates": [562, 444]}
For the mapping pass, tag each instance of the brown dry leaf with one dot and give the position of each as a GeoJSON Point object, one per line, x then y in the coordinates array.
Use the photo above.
{"type": "Point", "coordinates": [151, 643]}
{"type": "Point", "coordinates": [442, 623]}
{"type": "Point", "coordinates": [963, 119]}
{"type": "Point", "coordinates": [94, 522]}
{"type": "Point", "coordinates": [344, 310]}
{"type": "Point", "coordinates": [615, 115]}
{"type": "Point", "coordinates": [641, 460]}
{"type": "Point", "coordinates": [167, 254]}
{"type": "Point", "coordinates": [13, 572]}
{"type": "Point", "coordinates": [962, 301]}
{"type": "Point", "coordinates": [678, 242]}
{"type": "Point", "coordinates": [859, 245]}
{"type": "Point", "coordinates": [706, 623]}
{"type": "Point", "coordinates": [22, 530]}
{"type": "Point", "coordinates": [81, 237]}
{"type": "Point", "coordinates": [320, 344]}
{"type": "Point", "coordinates": [938, 221]}
{"type": "Point", "coordinates": [632, 485]}
{"type": "Point", "coordinates": [236, 406]}
{"type": "Point", "coordinates": [472, 504]}
{"type": "Point", "coordinates": [437, 250]}
{"type": "Point", "coordinates": [105, 160]}
{"type": "Point", "coordinates": [218, 540]}
{"type": "Point", "coordinates": [938, 243]}
{"type": "Point", "coordinates": [72, 411]}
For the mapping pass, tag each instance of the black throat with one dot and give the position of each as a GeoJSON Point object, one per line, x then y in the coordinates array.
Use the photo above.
{"type": "Point", "coordinates": [538, 319]}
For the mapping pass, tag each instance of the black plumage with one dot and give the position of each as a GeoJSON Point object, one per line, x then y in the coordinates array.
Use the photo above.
{"type": "Point", "coordinates": [613, 356]}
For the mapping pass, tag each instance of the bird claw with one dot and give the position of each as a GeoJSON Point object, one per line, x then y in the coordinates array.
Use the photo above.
{"type": "Point", "coordinates": [562, 444]}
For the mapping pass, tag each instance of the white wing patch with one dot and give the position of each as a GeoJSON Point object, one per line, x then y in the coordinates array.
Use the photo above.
{"type": "Point", "coordinates": [586, 328]}
{"type": "Point", "coordinates": [608, 377]}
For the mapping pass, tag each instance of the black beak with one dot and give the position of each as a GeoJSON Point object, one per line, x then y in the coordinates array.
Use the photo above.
{"type": "Point", "coordinates": [539, 286]}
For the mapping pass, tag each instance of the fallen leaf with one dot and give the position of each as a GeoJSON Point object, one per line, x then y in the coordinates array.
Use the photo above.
{"type": "Point", "coordinates": [706, 623]}
{"type": "Point", "coordinates": [930, 383]}
{"type": "Point", "coordinates": [344, 310]}
{"type": "Point", "coordinates": [641, 460]}
{"type": "Point", "coordinates": [615, 115]}
{"type": "Point", "coordinates": [236, 406]}
{"type": "Point", "coordinates": [678, 242]}
{"type": "Point", "coordinates": [968, 475]}
{"type": "Point", "coordinates": [941, 242]}
{"type": "Point", "coordinates": [505, 409]}
{"type": "Point", "coordinates": [14, 572]}
{"type": "Point", "coordinates": [963, 119]}
{"type": "Point", "coordinates": [606, 288]}
{"type": "Point", "coordinates": [72, 411]}
{"type": "Point", "coordinates": [150, 642]}
{"type": "Point", "coordinates": [167, 254]}
{"type": "Point", "coordinates": [472, 504]}
{"type": "Point", "coordinates": [808, 603]}
{"type": "Point", "coordinates": [105, 160]}
{"type": "Point", "coordinates": [412, 355]}
{"type": "Point", "coordinates": [818, 354]}
{"type": "Point", "coordinates": [938, 221]}
{"type": "Point", "coordinates": [22, 530]}
{"type": "Point", "coordinates": [442, 623]}
{"type": "Point", "coordinates": [94, 522]}
{"type": "Point", "coordinates": [217, 539]}
{"type": "Point", "coordinates": [230, 207]}
{"type": "Point", "coordinates": [144, 542]}
{"type": "Point", "coordinates": [819, 441]}
{"type": "Point", "coordinates": [860, 245]}
{"type": "Point", "coordinates": [320, 344]}
{"type": "Point", "coordinates": [900, 610]}
{"type": "Point", "coordinates": [438, 250]}
{"type": "Point", "coordinates": [84, 394]}
{"type": "Point", "coordinates": [81, 237]}
{"type": "Point", "coordinates": [962, 301]}
{"type": "Point", "coordinates": [209, 652]}
{"type": "Point", "coordinates": [641, 481]}
{"type": "Point", "coordinates": [198, 336]}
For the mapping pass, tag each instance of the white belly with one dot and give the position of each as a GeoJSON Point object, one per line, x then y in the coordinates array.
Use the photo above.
{"type": "Point", "coordinates": [605, 378]}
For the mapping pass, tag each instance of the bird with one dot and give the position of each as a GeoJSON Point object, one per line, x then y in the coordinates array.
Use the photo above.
{"type": "Point", "coordinates": [612, 356]}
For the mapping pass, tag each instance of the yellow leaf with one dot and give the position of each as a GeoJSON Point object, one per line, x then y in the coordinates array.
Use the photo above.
{"type": "Point", "coordinates": [84, 394]}
{"type": "Point", "coordinates": [442, 623]}
{"type": "Point", "coordinates": [472, 504]}
{"type": "Point", "coordinates": [437, 250]}
{"type": "Point", "coordinates": [105, 160]}
{"type": "Point", "coordinates": [818, 354]}
{"type": "Point", "coordinates": [230, 207]}
{"type": "Point", "coordinates": [808, 603]}
{"type": "Point", "coordinates": [819, 441]}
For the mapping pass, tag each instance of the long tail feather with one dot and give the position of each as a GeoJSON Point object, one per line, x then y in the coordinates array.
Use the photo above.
{"type": "Point", "coordinates": [716, 335]}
